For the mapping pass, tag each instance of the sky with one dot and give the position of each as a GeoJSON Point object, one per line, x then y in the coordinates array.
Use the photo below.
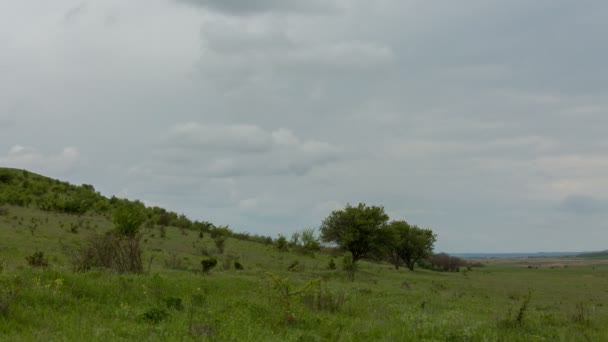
{"type": "Point", "coordinates": [483, 120]}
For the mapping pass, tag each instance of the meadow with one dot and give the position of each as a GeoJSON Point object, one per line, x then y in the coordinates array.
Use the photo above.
{"type": "Point", "coordinates": [278, 295]}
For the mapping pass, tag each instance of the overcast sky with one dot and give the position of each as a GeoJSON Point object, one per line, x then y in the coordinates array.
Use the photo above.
{"type": "Point", "coordinates": [484, 120]}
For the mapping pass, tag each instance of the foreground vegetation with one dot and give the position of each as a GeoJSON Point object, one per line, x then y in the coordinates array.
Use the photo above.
{"type": "Point", "coordinates": [259, 292]}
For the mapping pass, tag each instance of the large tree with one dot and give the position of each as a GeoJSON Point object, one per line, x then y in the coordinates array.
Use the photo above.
{"type": "Point", "coordinates": [409, 242]}
{"type": "Point", "coordinates": [355, 229]}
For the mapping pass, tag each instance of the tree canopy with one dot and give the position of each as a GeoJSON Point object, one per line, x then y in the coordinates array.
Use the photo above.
{"type": "Point", "coordinates": [128, 217]}
{"type": "Point", "coordinates": [355, 229]}
{"type": "Point", "coordinates": [409, 242]}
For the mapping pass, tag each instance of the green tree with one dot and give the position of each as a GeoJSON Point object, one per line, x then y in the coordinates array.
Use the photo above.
{"type": "Point", "coordinates": [355, 229]}
{"type": "Point", "coordinates": [128, 218]}
{"type": "Point", "coordinates": [409, 242]}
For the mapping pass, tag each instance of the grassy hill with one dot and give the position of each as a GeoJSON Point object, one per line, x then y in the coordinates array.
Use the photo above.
{"type": "Point", "coordinates": [277, 296]}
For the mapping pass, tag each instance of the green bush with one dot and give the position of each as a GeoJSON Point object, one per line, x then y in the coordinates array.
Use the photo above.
{"type": "Point", "coordinates": [37, 260]}
{"type": "Point", "coordinates": [208, 264]}
{"type": "Point", "coordinates": [155, 315]}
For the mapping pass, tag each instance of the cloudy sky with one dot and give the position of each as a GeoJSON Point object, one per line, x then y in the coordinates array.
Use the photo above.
{"type": "Point", "coordinates": [484, 120]}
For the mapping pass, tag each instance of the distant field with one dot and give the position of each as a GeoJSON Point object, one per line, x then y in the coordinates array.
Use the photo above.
{"type": "Point", "coordinates": [173, 301]}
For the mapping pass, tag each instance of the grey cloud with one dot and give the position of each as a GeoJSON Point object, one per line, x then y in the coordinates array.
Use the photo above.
{"type": "Point", "coordinates": [250, 7]}
{"type": "Point", "coordinates": [582, 205]}
{"type": "Point", "coordinates": [73, 13]}
{"type": "Point", "coordinates": [235, 138]}
{"type": "Point", "coordinates": [7, 123]}
{"type": "Point", "coordinates": [243, 150]}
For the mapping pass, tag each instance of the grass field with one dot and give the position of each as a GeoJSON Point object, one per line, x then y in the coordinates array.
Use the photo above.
{"type": "Point", "coordinates": [514, 300]}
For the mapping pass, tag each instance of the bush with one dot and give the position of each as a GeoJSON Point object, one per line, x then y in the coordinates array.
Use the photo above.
{"type": "Point", "coordinates": [128, 217]}
{"type": "Point", "coordinates": [110, 251]}
{"type": "Point", "coordinates": [174, 303]}
{"type": "Point", "coordinates": [281, 243]}
{"type": "Point", "coordinates": [322, 299]}
{"type": "Point", "coordinates": [155, 315]}
{"type": "Point", "coordinates": [175, 262]}
{"type": "Point", "coordinates": [447, 263]}
{"type": "Point", "coordinates": [208, 264]}
{"type": "Point", "coordinates": [37, 260]}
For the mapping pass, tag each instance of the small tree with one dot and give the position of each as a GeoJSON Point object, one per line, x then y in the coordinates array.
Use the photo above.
{"type": "Point", "coordinates": [410, 242]}
{"type": "Point", "coordinates": [128, 218]}
{"type": "Point", "coordinates": [355, 229]}
{"type": "Point", "coordinates": [219, 236]}
{"type": "Point", "coordinates": [310, 242]}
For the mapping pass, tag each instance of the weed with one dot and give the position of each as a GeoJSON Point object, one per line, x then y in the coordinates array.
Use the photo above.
{"type": "Point", "coordinates": [581, 315]}
{"type": "Point", "coordinates": [7, 298]}
{"type": "Point", "coordinates": [293, 266]}
{"type": "Point", "coordinates": [518, 319]}
{"type": "Point", "coordinates": [286, 294]}
{"type": "Point", "coordinates": [322, 298]}
{"type": "Point", "coordinates": [350, 267]}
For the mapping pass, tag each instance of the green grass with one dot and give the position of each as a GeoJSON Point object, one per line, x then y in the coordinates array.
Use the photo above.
{"type": "Point", "coordinates": [56, 304]}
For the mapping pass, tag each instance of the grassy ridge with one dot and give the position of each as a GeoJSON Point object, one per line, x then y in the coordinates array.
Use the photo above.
{"type": "Point", "coordinates": [172, 300]}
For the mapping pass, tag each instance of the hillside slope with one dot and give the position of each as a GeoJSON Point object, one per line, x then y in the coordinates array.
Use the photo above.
{"type": "Point", "coordinates": [274, 295]}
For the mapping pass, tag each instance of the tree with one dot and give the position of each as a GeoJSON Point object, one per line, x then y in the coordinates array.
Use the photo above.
{"type": "Point", "coordinates": [355, 229]}
{"type": "Point", "coordinates": [410, 242]}
{"type": "Point", "coordinates": [219, 236]}
{"type": "Point", "coordinates": [128, 217]}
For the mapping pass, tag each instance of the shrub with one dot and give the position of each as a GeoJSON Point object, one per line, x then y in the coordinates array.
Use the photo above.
{"type": "Point", "coordinates": [323, 299]}
{"type": "Point", "coordinates": [109, 251]}
{"type": "Point", "coordinates": [174, 262]}
{"type": "Point", "coordinates": [6, 299]}
{"type": "Point", "coordinates": [281, 243]}
{"type": "Point", "coordinates": [128, 217]}
{"type": "Point", "coordinates": [37, 260]}
{"type": "Point", "coordinates": [155, 315]}
{"type": "Point", "coordinates": [447, 263]}
{"type": "Point", "coordinates": [219, 236]}
{"type": "Point", "coordinates": [286, 294]}
{"type": "Point", "coordinates": [174, 303]}
{"type": "Point", "coordinates": [208, 264]}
